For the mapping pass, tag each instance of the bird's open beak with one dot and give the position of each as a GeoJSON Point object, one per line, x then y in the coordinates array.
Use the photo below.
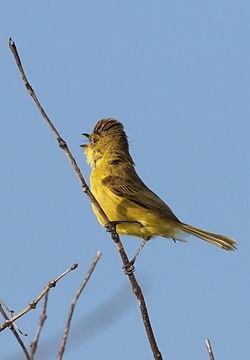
{"type": "Point", "coordinates": [88, 136]}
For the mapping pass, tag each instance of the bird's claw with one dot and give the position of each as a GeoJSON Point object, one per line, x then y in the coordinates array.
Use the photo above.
{"type": "Point", "coordinates": [129, 269]}
{"type": "Point", "coordinates": [111, 226]}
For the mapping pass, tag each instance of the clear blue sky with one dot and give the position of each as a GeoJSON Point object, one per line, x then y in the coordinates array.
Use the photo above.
{"type": "Point", "coordinates": [176, 73]}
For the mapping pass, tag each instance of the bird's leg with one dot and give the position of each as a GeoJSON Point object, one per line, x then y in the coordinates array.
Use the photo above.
{"type": "Point", "coordinates": [138, 252]}
{"type": "Point", "coordinates": [130, 269]}
{"type": "Point", "coordinates": [111, 226]}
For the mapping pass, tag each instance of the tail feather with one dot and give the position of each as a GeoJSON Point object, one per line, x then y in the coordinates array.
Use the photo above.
{"type": "Point", "coordinates": [221, 241]}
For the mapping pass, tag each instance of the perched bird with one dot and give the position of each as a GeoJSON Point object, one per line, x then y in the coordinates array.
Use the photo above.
{"type": "Point", "coordinates": [126, 200]}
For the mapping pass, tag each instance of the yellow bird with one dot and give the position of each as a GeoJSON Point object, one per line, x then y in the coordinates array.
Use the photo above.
{"type": "Point", "coordinates": [126, 200]}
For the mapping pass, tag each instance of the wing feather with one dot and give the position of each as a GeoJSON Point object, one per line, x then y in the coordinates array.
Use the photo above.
{"type": "Point", "coordinates": [130, 187]}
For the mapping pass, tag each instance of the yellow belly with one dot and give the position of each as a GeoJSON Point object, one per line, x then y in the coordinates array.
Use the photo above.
{"type": "Point", "coordinates": [119, 209]}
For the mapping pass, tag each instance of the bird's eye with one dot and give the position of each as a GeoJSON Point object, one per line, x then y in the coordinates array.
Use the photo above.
{"type": "Point", "coordinates": [94, 139]}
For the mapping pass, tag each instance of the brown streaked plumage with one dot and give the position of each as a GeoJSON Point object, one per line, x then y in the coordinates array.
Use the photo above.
{"type": "Point", "coordinates": [123, 195]}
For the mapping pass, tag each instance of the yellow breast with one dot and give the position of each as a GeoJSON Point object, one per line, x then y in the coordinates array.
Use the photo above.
{"type": "Point", "coordinates": [119, 209]}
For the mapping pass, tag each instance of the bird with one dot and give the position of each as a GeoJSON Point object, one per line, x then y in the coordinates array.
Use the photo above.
{"type": "Point", "coordinates": [126, 200]}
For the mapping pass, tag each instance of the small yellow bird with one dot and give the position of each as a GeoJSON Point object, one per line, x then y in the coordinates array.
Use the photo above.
{"type": "Point", "coordinates": [126, 200]}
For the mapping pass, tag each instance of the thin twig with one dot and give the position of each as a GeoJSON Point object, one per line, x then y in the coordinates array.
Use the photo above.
{"type": "Point", "coordinates": [73, 304]}
{"type": "Point", "coordinates": [33, 304]}
{"type": "Point", "coordinates": [15, 333]}
{"type": "Point", "coordinates": [43, 317]}
{"type": "Point", "coordinates": [209, 349]}
{"type": "Point", "coordinates": [62, 144]}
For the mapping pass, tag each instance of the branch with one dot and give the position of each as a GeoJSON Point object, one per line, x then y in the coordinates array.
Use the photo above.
{"type": "Point", "coordinates": [43, 317]}
{"type": "Point", "coordinates": [61, 142]}
{"type": "Point", "coordinates": [73, 304]}
{"type": "Point", "coordinates": [135, 286]}
{"type": "Point", "coordinates": [209, 349]}
{"type": "Point", "coordinates": [15, 333]}
{"type": "Point", "coordinates": [33, 304]}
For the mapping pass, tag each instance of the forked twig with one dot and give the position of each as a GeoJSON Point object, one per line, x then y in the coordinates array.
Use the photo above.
{"type": "Point", "coordinates": [73, 304]}
{"type": "Point", "coordinates": [135, 286]}
{"type": "Point", "coordinates": [43, 317]}
{"type": "Point", "coordinates": [15, 333]}
{"type": "Point", "coordinates": [209, 349]}
{"type": "Point", "coordinates": [33, 304]}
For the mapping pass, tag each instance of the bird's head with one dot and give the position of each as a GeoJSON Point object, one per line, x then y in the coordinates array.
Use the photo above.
{"type": "Point", "coordinates": [107, 140]}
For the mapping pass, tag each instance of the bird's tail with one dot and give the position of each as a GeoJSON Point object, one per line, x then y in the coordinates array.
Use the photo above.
{"type": "Point", "coordinates": [221, 241]}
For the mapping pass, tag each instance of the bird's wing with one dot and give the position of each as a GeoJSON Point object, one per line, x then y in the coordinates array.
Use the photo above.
{"type": "Point", "coordinates": [131, 188]}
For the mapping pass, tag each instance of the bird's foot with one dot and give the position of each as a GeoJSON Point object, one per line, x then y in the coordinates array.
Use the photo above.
{"type": "Point", "coordinates": [111, 226]}
{"type": "Point", "coordinates": [129, 269]}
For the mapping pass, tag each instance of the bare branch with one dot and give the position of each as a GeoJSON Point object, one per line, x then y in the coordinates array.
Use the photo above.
{"type": "Point", "coordinates": [73, 304]}
{"type": "Point", "coordinates": [15, 333]}
{"type": "Point", "coordinates": [209, 349]}
{"type": "Point", "coordinates": [135, 286]}
{"type": "Point", "coordinates": [43, 317]}
{"type": "Point", "coordinates": [33, 304]}
{"type": "Point", "coordinates": [61, 142]}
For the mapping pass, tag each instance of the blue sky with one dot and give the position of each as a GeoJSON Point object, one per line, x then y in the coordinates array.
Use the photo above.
{"type": "Point", "coordinates": [176, 73]}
